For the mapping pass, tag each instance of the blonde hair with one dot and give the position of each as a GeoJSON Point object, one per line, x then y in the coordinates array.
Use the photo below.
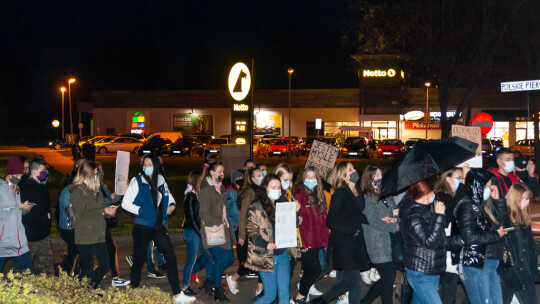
{"type": "Point", "coordinates": [282, 169]}
{"type": "Point", "coordinates": [86, 172]}
{"type": "Point", "coordinates": [517, 215]}
{"type": "Point", "coordinates": [338, 175]}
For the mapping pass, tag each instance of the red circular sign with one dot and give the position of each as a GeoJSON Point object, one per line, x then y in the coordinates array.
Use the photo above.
{"type": "Point", "coordinates": [484, 121]}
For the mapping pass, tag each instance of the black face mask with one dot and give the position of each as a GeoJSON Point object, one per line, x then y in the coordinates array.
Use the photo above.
{"type": "Point", "coordinates": [14, 180]}
{"type": "Point", "coordinates": [377, 183]}
{"type": "Point", "coordinates": [354, 177]}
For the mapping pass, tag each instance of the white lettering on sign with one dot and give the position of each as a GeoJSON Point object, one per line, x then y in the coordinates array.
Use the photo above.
{"type": "Point", "coordinates": [515, 86]}
{"type": "Point", "coordinates": [379, 73]}
{"type": "Point", "coordinates": [240, 107]}
{"type": "Point", "coordinates": [241, 125]}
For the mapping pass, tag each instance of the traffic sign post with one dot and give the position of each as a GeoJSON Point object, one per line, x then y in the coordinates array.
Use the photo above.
{"type": "Point", "coordinates": [484, 121]}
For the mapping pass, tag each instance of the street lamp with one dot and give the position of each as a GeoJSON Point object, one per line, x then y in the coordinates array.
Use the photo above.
{"type": "Point", "coordinates": [70, 81]}
{"type": "Point", "coordinates": [290, 71]}
{"type": "Point", "coordinates": [426, 115]}
{"type": "Point", "coordinates": [63, 89]}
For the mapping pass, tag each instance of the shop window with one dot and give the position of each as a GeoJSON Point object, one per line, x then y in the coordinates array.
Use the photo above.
{"type": "Point", "coordinates": [391, 124]}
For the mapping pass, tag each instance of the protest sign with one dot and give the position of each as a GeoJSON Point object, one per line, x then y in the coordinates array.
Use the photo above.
{"type": "Point", "coordinates": [285, 225]}
{"type": "Point", "coordinates": [122, 172]}
{"type": "Point", "coordinates": [472, 134]}
{"type": "Point", "coordinates": [323, 157]}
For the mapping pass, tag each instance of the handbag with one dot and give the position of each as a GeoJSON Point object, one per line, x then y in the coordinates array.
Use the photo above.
{"type": "Point", "coordinates": [70, 215]}
{"type": "Point", "coordinates": [398, 247]}
{"type": "Point", "coordinates": [215, 235]}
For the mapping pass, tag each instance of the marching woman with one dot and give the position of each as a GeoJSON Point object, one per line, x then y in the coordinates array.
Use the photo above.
{"type": "Point", "coordinates": [313, 232]}
{"type": "Point", "coordinates": [216, 229]}
{"type": "Point", "coordinates": [382, 218]}
{"type": "Point", "coordinates": [519, 277]}
{"type": "Point", "coordinates": [149, 199]}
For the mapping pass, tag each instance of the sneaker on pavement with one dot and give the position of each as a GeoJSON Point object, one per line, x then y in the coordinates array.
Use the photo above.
{"type": "Point", "coordinates": [194, 279]}
{"type": "Point", "coordinates": [118, 282]}
{"type": "Point", "coordinates": [252, 275]}
{"type": "Point", "coordinates": [189, 292]}
{"type": "Point", "coordinates": [345, 299]}
{"type": "Point", "coordinates": [129, 259]}
{"type": "Point", "coordinates": [314, 291]}
{"type": "Point", "coordinates": [365, 277]}
{"type": "Point", "coordinates": [183, 298]}
{"type": "Point", "coordinates": [232, 285]}
{"type": "Point", "coordinates": [156, 274]}
{"type": "Point", "coordinates": [297, 301]}
{"type": "Point", "coordinates": [332, 274]}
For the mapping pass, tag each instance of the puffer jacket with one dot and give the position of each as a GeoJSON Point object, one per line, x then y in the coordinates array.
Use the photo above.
{"type": "Point", "coordinates": [424, 237]}
{"type": "Point", "coordinates": [259, 232]}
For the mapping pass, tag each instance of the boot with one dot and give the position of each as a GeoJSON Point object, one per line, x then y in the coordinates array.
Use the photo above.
{"type": "Point", "coordinates": [318, 300]}
{"type": "Point", "coordinates": [208, 286]}
{"type": "Point", "coordinates": [219, 296]}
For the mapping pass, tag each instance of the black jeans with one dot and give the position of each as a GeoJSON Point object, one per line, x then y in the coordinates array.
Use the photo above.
{"type": "Point", "coordinates": [86, 258]}
{"type": "Point", "coordinates": [312, 269]}
{"type": "Point", "coordinates": [383, 287]}
{"type": "Point", "coordinates": [111, 251]}
{"type": "Point", "coordinates": [142, 235]}
{"type": "Point", "coordinates": [241, 253]}
{"type": "Point", "coordinates": [351, 281]}
{"type": "Point", "coordinates": [449, 283]}
{"type": "Point", "coordinates": [69, 237]}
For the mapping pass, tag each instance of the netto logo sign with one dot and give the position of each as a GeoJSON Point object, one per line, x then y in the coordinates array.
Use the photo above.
{"type": "Point", "coordinates": [240, 107]}
{"type": "Point", "coordinates": [379, 73]}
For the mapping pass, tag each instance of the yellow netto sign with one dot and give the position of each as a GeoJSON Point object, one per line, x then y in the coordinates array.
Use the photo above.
{"type": "Point", "coordinates": [379, 73]}
{"type": "Point", "coordinates": [240, 107]}
{"type": "Point", "coordinates": [239, 81]}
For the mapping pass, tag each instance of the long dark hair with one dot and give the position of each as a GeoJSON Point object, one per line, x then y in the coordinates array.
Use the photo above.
{"type": "Point", "coordinates": [317, 199]}
{"type": "Point", "coordinates": [211, 166]}
{"type": "Point", "coordinates": [262, 196]}
{"type": "Point", "coordinates": [248, 183]}
{"type": "Point", "coordinates": [366, 183]}
{"type": "Point", "coordinates": [153, 182]}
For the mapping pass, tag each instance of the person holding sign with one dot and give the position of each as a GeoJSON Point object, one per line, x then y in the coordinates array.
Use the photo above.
{"type": "Point", "coordinates": [263, 256]}
{"type": "Point", "coordinates": [309, 193]}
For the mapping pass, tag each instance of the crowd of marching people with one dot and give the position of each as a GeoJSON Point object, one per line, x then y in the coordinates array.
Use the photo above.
{"type": "Point", "coordinates": [467, 225]}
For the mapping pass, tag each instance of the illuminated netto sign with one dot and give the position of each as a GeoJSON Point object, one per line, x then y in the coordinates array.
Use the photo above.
{"type": "Point", "coordinates": [379, 73]}
{"type": "Point", "coordinates": [240, 107]}
{"type": "Point", "coordinates": [239, 81]}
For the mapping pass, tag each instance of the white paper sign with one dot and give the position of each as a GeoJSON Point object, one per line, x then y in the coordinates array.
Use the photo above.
{"type": "Point", "coordinates": [472, 134]}
{"type": "Point", "coordinates": [122, 172]}
{"type": "Point", "coordinates": [285, 225]}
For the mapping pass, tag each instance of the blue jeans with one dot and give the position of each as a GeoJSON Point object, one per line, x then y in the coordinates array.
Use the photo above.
{"type": "Point", "coordinates": [277, 281]}
{"type": "Point", "coordinates": [193, 244]}
{"type": "Point", "coordinates": [149, 262]}
{"type": "Point", "coordinates": [483, 285]}
{"type": "Point", "coordinates": [24, 261]}
{"type": "Point", "coordinates": [221, 258]}
{"type": "Point", "coordinates": [425, 287]}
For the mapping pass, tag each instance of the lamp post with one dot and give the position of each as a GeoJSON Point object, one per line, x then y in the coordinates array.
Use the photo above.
{"type": "Point", "coordinates": [63, 89]}
{"type": "Point", "coordinates": [426, 115]}
{"type": "Point", "coordinates": [70, 81]}
{"type": "Point", "coordinates": [290, 71]}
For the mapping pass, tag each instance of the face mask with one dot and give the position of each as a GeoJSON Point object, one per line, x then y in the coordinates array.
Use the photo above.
{"type": "Point", "coordinates": [264, 173]}
{"type": "Point", "coordinates": [354, 177]}
{"type": "Point", "coordinates": [101, 174]}
{"type": "Point", "coordinates": [455, 185]}
{"type": "Point", "coordinates": [274, 194]}
{"type": "Point", "coordinates": [285, 186]}
{"type": "Point", "coordinates": [26, 171]}
{"type": "Point", "coordinates": [258, 181]}
{"type": "Point", "coordinates": [86, 182]}
{"type": "Point", "coordinates": [14, 180]}
{"type": "Point", "coordinates": [42, 175]}
{"type": "Point", "coordinates": [432, 199]}
{"type": "Point", "coordinates": [377, 183]}
{"type": "Point", "coordinates": [219, 179]}
{"type": "Point", "coordinates": [524, 204]}
{"type": "Point", "coordinates": [487, 193]}
{"type": "Point", "coordinates": [95, 178]}
{"type": "Point", "coordinates": [148, 170]}
{"type": "Point", "coordinates": [509, 166]}
{"type": "Point", "coordinates": [310, 183]}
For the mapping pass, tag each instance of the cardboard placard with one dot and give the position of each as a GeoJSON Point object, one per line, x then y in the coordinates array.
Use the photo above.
{"type": "Point", "coordinates": [323, 157]}
{"type": "Point", "coordinates": [286, 225]}
{"type": "Point", "coordinates": [472, 134]}
{"type": "Point", "coordinates": [122, 172]}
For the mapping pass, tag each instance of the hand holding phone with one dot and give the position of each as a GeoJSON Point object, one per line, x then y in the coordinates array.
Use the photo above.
{"type": "Point", "coordinates": [509, 229]}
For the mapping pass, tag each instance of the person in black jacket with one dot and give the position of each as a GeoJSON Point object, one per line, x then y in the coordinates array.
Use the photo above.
{"type": "Point", "coordinates": [192, 234]}
{"type": "Point", "coordinates": [481, 216]}
{"type": "Point", "coordinates": [422, 226]}
{"type": "Point", "coordinates": [520, 272]}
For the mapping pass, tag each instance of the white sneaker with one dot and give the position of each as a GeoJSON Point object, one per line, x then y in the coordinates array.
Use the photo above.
{"type": "Point", "coordinates": [118, 282]}
{"type": "Point", "coordinates": [314, 291]}
{"type": "Point", "coordinates": [373, 275]}
{"type": "Point", "coordinates": [365, 277]}
{"type": "Point", "coordinates": [345, 299]}
{"type": "Point", "coordinates": [184, 299]}
{"type": "Point", "coordinates": [332, 274]}
{"type": "Point", "coordinates": [232, 285]}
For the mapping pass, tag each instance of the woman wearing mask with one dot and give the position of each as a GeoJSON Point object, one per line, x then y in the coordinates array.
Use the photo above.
{"type": "Point", "coordinates": [313, 232]}
{"type": "Point", "coordinates": [346, 243]}
{"type": "Point", "coordinates": [422, 226]}
{"type": "Point", "coordinates": [192, 233]}
{"type": "Point", "coordinates": [90, 226]}
{"type": "Point", "coordinates": [149, 199]}
{"type": "Point", "coordinates": [480, 226]}
{"type": "Point", "coordinates": [213, 213]}
{"type": "Point", "coordinates": [263, 256]}
{"type": "Point", "coordinates": [382, 218]}
{"type": "Point", "coordinates": [13, 243]}
{"type": "Point", "coordinates": [518, 279]}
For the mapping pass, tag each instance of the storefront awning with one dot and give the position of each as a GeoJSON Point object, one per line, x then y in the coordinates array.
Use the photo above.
{"type": "Point", "coordinates": [354, 128]}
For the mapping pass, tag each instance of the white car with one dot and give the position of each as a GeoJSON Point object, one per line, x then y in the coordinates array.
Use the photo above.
{"type": "Point", "coordinates": [127, 144]}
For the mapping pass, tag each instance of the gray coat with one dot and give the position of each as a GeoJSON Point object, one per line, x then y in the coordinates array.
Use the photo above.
{"type": "Point", "coordinates": [12, 235]}
{"type": "Point", "coordinates": [377, 233]}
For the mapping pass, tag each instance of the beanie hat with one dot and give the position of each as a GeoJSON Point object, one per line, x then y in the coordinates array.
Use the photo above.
{"type": "Point", "coordinates": [14, 166]}
{"type": "Point", "coordinates": [236, 175]}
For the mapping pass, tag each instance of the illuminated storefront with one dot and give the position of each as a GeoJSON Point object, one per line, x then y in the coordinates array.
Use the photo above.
{"type": "Point", "coordinates": [138, 124]}
{"type": "Point", "coordinates": [266, 122]}
{"type": "Point", "coordinates": [502, 129]}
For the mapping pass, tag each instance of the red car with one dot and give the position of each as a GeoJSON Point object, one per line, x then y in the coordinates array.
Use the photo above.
{"type": "Point", "coordinates": [281, 146]}
{"type": "Point", "coordinates": [390, 147]}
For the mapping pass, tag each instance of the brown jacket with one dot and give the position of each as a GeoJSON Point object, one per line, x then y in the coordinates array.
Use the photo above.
{"type": "Point", "coordinates": [211, 204]}
{"type": "Point", "coordinates": [89, 208]}
{"type": "Point", "coordinates": [246, 197]}
{"type": "Point", "coordinates": [258, 224]}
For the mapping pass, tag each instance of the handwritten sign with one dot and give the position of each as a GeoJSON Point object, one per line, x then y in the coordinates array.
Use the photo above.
{"type": "Point", "coordinates": [122, 171]}
{"type": "Point", "coordinates": [286, 225]}
{"type": "Point", "coordinates": [323, 157]}
{"type": "Point", "coordinates": [472, 134]}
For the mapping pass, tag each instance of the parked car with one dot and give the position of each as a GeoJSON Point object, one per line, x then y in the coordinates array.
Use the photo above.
{"type": "Point", "coordinates": [281, 146]}
{"type": "Point", "coordinates": [305, 147]}
{"type": "Point", "coordinates": [58, 144]}
{"type": "Point", "coordinates": [260, 146]}
{"type": "Point", "coordinates": [155, 144]}
{"type": "Point", "coordinates": [525, 146]}
{"type": "Point", "coordinates": [390, 148]}
{"type": "Point", "coordinates": [497, 143]}
{"type": "Point", "coordinates": [127, 144]}
{"type": "Point", "coordinates": [172, 136]}
{"type": "Point", "coordinates": [214, 147]}
{"type": "Point", "coordinates": [137, 136]}
{"type": "Point", "coordinates": [188, 145]}
{"type": "Point", "coordinates": [354, 147]}
{"type": "Point", "coordinates": [487, 147]}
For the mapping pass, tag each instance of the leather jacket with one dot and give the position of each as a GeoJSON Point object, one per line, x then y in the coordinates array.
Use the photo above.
{"type": "Point", "coordinates": [191, 213]}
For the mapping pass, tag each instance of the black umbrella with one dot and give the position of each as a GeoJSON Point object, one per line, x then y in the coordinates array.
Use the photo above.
{"type": "Point", "coordinates": [426, 160]}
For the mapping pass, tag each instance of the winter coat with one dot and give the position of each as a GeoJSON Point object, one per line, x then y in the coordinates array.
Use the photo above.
{"type": "Point", "coordinates": [63, 202]}
{"type": "Point", "coordinates": [192, 219]}
{"type": "Point", "coordinates": [36, 222]}
{"type": "Point", "coordinates": [232, 207]}
{"type": "Point", "coordinates": [246, 196]}
{"type": "Point", "coordinates": [211, 206]}
{"type": "Point", "coordinates": [503, 185]}
{"type": "Point", "coordinates": [377, 232]}
{"type": "Point", "coordinates": [13, 237]}
{"type": "Point", "coordinates": [523, 250]}
{"type": "Point", "coordinates": [89, 208]}
{"type": "Point", "coordinates": [313, 231]}
{"type": "Point", "coordinates": [259, 234]}
{"type": "Point", "coordinates": [345, 219]}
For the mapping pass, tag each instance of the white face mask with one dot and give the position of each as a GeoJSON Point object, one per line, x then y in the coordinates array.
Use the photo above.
{"type": "Point", "coordinates": [258, 180]}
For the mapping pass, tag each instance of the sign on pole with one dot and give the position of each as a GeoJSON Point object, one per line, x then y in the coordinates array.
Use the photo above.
{"type": "Point", "coordinates": [122, 172]}
{"type": "Point", "coordinates": [472, 134]}
{"type": "Point", "coordinates": [516, 86]}
{"type": "Point", "coordinates": [323, 157]}
{"type": "Point", "coordinates": [285, 225]}
{"type": "Point", "coordinates": [484, 121]}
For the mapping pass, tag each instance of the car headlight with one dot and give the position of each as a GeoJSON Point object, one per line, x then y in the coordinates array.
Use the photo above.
{"type": "Point", "coordinates": [362, 149]}
{"type": "Point", "coordinates": [185, 149]}
{"type": "Point", "coordinates": [344, 149]}
{"type": "Point", "coordinates": [379, 150]}
{"type": "Point", "coordinates": [396, 150]}
{"type": "Point", "coordinates": [50, 143]}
